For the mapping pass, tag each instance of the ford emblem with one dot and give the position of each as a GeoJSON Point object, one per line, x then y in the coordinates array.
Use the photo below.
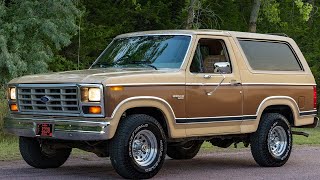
{"type": "Point", "coordinates": [45, 99]}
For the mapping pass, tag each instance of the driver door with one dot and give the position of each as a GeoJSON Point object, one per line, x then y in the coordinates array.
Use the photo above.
{"type": "Point", "coordinates": [213, 91]}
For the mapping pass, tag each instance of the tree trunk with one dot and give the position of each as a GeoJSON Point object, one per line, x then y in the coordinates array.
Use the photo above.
{"type": "Point", "coordinates": [254, 16]}
{"type": "Point", "coordinates": [310, 21]}
{"type": "Point", "coordinates": [191, 14]}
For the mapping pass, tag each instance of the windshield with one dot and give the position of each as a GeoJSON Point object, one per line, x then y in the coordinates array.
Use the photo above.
{"type": "Point", "coordinates": [152, 51]}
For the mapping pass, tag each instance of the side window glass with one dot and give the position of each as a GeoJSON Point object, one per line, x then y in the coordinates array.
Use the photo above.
{"type": "Point", "coordinates": [211, 57]}
{"type": "Point", "coordinates": [270, 56]}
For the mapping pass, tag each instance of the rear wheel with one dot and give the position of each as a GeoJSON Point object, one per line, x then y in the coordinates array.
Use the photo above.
{"type": "Point", "coordinates": [139, 147]}
{"type": "Point", "coordinates": [187, 150]}
{"type": "Point", "coordinates": [36, 155]}
{"type": "Point", "coordinates": [271, 144]}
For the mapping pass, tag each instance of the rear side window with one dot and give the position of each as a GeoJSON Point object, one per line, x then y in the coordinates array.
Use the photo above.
{"type": "Point", "coordinates": [270, 56]}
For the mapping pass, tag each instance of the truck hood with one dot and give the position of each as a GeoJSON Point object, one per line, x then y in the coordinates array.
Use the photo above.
{"type": "Point", "coordinates": [84, 76]}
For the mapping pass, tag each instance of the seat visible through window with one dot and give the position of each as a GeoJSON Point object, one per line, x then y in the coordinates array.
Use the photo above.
{"type": "Point", "coordinates": [210, 57]}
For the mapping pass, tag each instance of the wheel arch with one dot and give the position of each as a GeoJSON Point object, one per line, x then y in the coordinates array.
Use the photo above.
{"type": "Point", "coordinates": [140, 103]}
{"type": "Point", "coordinates": [284, 105]}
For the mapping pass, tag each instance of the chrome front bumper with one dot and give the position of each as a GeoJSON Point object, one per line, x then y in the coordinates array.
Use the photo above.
{"type": "Point", "coordinates": [65, 128]}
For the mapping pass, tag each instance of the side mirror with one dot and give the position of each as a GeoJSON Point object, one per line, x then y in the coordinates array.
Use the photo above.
{"type": "Point", "coordinates": [222, 67]}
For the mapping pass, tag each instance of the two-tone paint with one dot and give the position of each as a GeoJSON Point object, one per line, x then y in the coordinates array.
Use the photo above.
{"type": "Point", "coordinates": [184, 98]}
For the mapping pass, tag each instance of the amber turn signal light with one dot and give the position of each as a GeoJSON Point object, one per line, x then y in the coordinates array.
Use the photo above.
{"type": "Point", "coordinates": [116, 88]}
{"type": "Point", "coordinates": [13, 107]}
{"type": "Point", "coordinates": [94, 110]}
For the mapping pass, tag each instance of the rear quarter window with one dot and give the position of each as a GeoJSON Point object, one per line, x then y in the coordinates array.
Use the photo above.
{"type": "Point", "coordinates": [270, 56]}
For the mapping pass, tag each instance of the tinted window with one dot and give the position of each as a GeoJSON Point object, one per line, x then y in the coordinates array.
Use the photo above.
{"type": "Point", "coordinates": [270, 56]}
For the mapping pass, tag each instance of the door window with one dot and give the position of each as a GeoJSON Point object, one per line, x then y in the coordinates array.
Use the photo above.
{"type": "Point", "coordinates": [211, 57]}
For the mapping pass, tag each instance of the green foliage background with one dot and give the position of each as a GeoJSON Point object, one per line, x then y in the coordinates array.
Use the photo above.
{"type": "Point", "coordinates": [32, 33]}
{"type": "Point", "coordinates": [38, 36]}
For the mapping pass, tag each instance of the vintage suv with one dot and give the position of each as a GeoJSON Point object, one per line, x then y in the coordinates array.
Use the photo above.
{"type": "Point", "coordinates": [166, 92]}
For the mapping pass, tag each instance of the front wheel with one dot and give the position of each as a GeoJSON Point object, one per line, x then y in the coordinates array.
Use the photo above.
{"type": "Point", "coordinates": [271, 144]}
{"type": "Point", "coordinates": [36, 155]}
{"type": "Point", "coordinates": [139, 147]}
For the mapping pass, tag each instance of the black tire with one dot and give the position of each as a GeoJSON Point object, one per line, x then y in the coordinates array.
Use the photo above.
{"type": "Point", "coordinates": [32, 153]}
{"type": "Point", "coordinates": [186, 151]}
{"type": "Point", "coordinates": [123, 154]}
{"type": "Point", "coordinates": [263, 139]}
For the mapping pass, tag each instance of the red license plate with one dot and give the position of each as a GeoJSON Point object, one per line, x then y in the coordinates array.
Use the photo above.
{"type": "Point", "coordinates": [44, 130]}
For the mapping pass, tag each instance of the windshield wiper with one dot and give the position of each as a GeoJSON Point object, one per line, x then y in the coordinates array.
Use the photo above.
{"type": "Point", "coordinates": [145, 63]}
{"type": "Point", "coordinates": [150, 65]}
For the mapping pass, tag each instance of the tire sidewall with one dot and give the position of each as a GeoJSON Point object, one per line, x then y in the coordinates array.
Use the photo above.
{"type": "Point", "coordinates": [30, 149]}
{"type": "Point", "coordinates": [286, 154]}
{"type": "Point", "coordinates": [156, 164]}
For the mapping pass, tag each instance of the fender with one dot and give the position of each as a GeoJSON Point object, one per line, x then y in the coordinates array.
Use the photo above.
{"type": "Point", "coordinates": [252, 126]}
{"type": "Point", "coordinates": [174, 130]}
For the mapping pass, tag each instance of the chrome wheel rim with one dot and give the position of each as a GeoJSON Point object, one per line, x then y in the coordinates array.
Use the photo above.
{"type": "Point", "coordinates": [277, 141]}
{"type": "Point", "coordinates": [144, 148]}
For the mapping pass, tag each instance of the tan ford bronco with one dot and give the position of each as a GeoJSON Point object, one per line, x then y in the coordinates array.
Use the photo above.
{"type": "Point", "coordinates": [157, 93]}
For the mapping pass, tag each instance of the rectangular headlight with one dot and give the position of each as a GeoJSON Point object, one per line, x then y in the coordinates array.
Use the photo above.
{"type": "Point", "coordinates": [90, 94]}
{"type": "Point", "coordinates": [12, 93]}
{"type": "Point", "coordinates": [94, 94]}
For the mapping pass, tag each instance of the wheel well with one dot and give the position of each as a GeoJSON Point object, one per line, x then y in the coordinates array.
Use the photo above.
{"type": "Point", "coordinates": [283, 110]}
{"type": "Point", "coordinates": [151, 111]}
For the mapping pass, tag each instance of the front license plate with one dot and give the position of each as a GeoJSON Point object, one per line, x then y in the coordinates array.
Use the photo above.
{"type": "Point", "coordinates": [44, 130]}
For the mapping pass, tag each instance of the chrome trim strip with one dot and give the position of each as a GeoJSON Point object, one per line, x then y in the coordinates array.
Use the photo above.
{"type": "Point", "coordinates": [187, 52]}
{"type": "Point", "coordinates": [63, 128]}
{"type": "Point", "coordinates": [138, 34]}
{"type": "Point", "coordinates": [141, 97]}
{"type": "Point", "coordinates": [281, 84]}
{"type": "Point", "coordinates": [196, 120]}
{"type": "Point", "coordinates": [207, 84]}
{"type": "Point", "coordinates": [210, 84]}
{"type": "Point", "coordinates": [145, 84]}
{"type": "Point", "coordinates": [45, 85]}
{"type": "Point", "coordinates": [212, 117]}
{"type": "Point", "coordinates": [308, 113]}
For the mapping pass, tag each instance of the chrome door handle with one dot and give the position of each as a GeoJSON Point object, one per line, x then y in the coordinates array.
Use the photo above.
{"type": "Point", "coordinates": [235, 83]}
{"type": "Point", "coordinates": [207, 76]}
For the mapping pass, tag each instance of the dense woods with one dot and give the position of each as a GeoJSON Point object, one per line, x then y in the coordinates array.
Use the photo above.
{"type": "Point", "coordinates": [38, 36]}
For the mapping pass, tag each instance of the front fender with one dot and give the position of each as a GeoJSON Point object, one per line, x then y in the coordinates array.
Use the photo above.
{"type": "Point", "coordinates": [174, 130]}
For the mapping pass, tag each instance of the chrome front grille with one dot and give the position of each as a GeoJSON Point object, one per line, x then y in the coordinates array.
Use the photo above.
{"type": "Point", "coordinates": [48, 99]}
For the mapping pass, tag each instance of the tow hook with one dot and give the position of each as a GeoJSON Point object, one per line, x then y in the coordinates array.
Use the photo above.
{"type": "Point", "coordinates": [300, 133]}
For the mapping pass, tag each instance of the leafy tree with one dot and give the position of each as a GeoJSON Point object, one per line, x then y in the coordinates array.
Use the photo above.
{"type": "Point", "coordinates": [31, 34]}
{"type": "Point", "coordinates": [105, 19]}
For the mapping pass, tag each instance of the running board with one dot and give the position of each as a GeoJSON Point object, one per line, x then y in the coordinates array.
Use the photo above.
{"type": "Point", "coordinates": [300, 133]}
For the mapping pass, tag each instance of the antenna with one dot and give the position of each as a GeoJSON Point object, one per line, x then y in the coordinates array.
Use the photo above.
{"type": "Point", "coordinates": [79, 38]}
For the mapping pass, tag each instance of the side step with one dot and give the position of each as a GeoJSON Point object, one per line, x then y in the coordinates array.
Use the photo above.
{"type": "Point", "coordinates": [300, 133]}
